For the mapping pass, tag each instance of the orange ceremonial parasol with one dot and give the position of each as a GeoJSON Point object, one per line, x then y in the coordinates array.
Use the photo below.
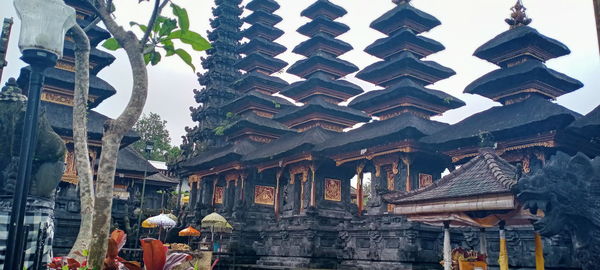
{"type": "Point", "coordinates": [189, 231]}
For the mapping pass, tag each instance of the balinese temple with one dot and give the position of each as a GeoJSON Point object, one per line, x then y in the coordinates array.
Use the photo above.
{"type": "Point", "coordinates": [283, 176]}
{"type": "Point", "coordinates": [528, 126]}
{"type": "Point", "coordinates": [389, 148]}
{"type": "Point", "coordinates": [57, 102]}
{"type": "Point", "coordinates": [220, 74]}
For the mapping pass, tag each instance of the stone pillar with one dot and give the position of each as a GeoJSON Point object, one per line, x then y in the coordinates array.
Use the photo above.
{"type": "Point", "coordinates": [313, 188]}
{"type": "Point", "coordinates": [407, 162]}
{"type": "Point", "coordinates": [277, 192]}
{"type": "Point", "coordinates": [447, 247]}
{"type": "Point", "coordinates": [359, 187]}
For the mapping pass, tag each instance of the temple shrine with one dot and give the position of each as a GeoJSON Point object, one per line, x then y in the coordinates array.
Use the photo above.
{"type": "Point", "coordinates": [283, 174]}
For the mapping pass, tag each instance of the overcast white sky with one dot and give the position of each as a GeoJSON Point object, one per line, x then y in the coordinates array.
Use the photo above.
{"type": "Point", "coordinates": [466, 24]}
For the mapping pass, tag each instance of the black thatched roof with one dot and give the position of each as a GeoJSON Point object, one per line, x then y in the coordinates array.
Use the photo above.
{"type": "Point", "coordinates": [267, 32]}
{"type": "Point", "coordinates": [130, 160]}
{"type": "Point", "coordinates": [260, 98]}
{"type": "Point", "coordinates": [262, 45]}
{"type": "Point", "coordinates": [61, 120]}
{"type": "Point", "coordinates": [388, 47]}
{"type": "Point", "coordinates": [404, 126]}
{"type": "Point", "coordinates": [317, 104]}
{"type": "Point", "coordinates": [220, 156]}
{"type": "Point", "coordinates": [380, 72]}
{"type": "Point", "coordinates": [66, 79]}
{"type": "Point", "coordinates": [322, 42]}
{"type": "Point", "coordinates": [255, 122]}
{"type": "Point", "coordinates": [163, 179]}
{"type": "Point", "coordinates": [529, 71]}
{"type": "Point", "coordinates": [324, 8]}
{"type": "Point", "coordinates": [406, 87]}
{"type": "Point", "coordinates": [589, 125]}
{"type": "Point", "coordinates": [306, 67]}
{"type": "Point", "coordinates": [519, 38]}
{"type": "Point", "coordinates": [266, 5]}
{"type": "Point", "coordinates": [260, 61]}
{"type": "Point", "coordinates": [526, 118]}
{"type": "Point", "coordinates": [396, 19]}
{"type": "Point", "coordinates": [264, 17]}
{"type": "Point", "coordinates": [320, 82]}
{"type": "Point", "coordinates": [483, 175]}
{"type": "Point", "coordinates": [323, 24]}
{"type": "Point", "coordinates": [254, 79]}
{"type": "Point", "coordinates": [290, 144]}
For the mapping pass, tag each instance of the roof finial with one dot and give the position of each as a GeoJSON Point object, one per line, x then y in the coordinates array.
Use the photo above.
{"type": "Point", "coordinates": [400, 2]}
{"type": "Point", "coordinates": [518, 16]}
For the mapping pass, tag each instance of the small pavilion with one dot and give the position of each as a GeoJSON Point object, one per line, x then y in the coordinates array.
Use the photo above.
{"type": "Point", "coordinates": [478, 194]}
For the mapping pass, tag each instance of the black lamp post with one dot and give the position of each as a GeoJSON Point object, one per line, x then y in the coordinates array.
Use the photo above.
{"type": "Point", "coordinates": [148, 150]}
{"type": "Point", "coordinates": [43, 27]}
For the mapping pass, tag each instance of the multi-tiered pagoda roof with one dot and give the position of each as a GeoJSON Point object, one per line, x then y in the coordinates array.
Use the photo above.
{"type": "Point", "coordinates": [249, 122]}
{"type": "Point", "coordinates": [322, 88]}
{"type": "Point", "coordinates": [524, 85]}
{"type": "Point", "coordinates": [220, 73]}
{"type": "Point", "coordinates": [405, 105]}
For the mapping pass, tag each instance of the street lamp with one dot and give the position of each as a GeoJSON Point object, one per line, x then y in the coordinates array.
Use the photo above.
{"type": "Point", "coordinates": [44, 24]}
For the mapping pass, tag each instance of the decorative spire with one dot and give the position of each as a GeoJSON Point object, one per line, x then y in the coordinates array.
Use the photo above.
{"type": "Point", "coordinates": [12, 92]}
{"type": "Point", "coordinates": [401, 2]}
{"type": "Point", "coordinates": [518, 16]}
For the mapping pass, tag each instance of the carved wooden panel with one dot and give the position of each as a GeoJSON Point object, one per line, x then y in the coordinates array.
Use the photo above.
{"type": "Point", "coordinates": [264, 195]}
{"type": "Point", "coordinates": [219, 195]}
{"type": "Point", "coordinates": [333, 190]}
{"type": "Point", "coordinates": [425, 180]}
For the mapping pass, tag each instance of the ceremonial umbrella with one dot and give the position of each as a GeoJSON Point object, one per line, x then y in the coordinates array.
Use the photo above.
{"type": "Point", "coordinates": [190, 232]}
{"type": "Point", "coordinates": [213, 221]}
{"type": "Point", "coordinates": [162, 221]}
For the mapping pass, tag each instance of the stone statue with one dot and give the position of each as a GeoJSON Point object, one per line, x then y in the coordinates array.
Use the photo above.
{"type": "Point", "coordinates": [567, 189]}
{"type": "Point", "coordinates": [48, 161]}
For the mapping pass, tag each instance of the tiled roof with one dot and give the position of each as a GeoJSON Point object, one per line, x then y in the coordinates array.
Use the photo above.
{"type": "Point", "coordinates": [483, 175]}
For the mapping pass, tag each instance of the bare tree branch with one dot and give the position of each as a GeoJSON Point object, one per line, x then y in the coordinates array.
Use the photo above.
{"type": "Point", "coordinates": [81, 151]}
{"type": "Point", "coordinates": [151, 23]}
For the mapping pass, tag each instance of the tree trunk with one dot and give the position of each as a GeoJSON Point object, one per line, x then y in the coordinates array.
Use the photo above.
{"type": "Point", "coordinates": [82, 162]}
{"type": "Point", "coordinates": [114, 130]}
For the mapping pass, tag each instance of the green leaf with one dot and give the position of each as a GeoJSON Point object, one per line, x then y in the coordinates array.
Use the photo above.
{"type": "Point", "coordinates": [111, 44]}
{"type": "Point", "coordinates": [159, 21]}
{"type": "Point", "coordinates": [141, 26]}
{"type": "Point", "coordinates": [186, 57]}
{"type": "Point", "coordinates": [192, 38]}
{"type": "Point", "coordinates": [155, 58]}
{"type": "Point", "coordinates": [182, 17]}
{"type": "Point", "coordinates": [147, 58]}
{"type": "Point", "coordinates": [168, 46]}
{"type": "Point", "coordinates": [167, 27]}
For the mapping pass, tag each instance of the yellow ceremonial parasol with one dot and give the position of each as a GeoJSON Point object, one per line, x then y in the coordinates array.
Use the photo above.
{"type": "Point", "coordinates": [214, 220]}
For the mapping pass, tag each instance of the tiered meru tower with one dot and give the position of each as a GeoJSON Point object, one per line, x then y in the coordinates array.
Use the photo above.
{"type": "Point", "coordinates": [528, 127]}
{"type": "Point", "coordinates": [389, 148]}
{"type": "Point", "coordinates": [248, 122]}
{"type": "Point", "coordinates": [322, 88]}
{"type": "Point", "coordinates": [220, 73]}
